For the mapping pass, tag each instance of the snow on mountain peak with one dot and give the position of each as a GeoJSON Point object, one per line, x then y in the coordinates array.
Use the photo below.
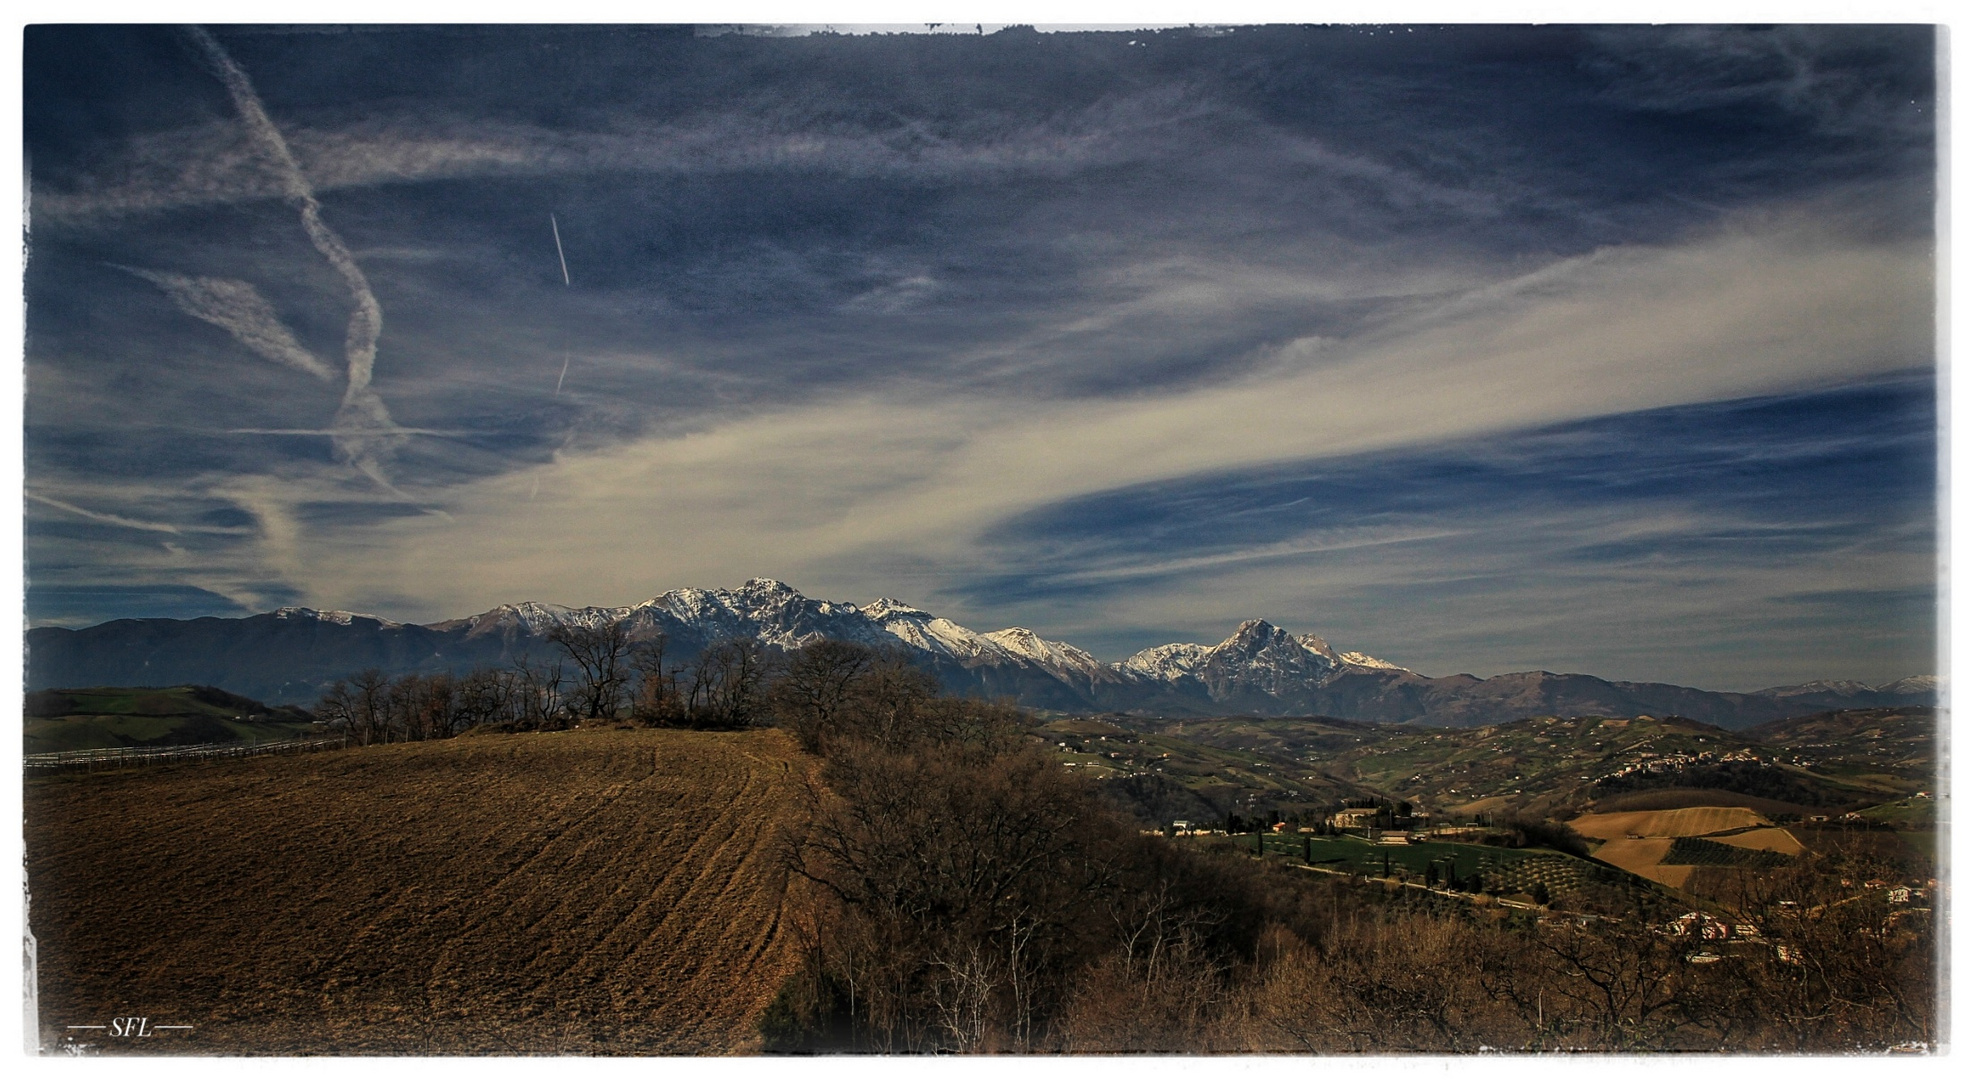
{"type": "Point", "coordinates": [340, 618]}
{"type": "Point", "coordinates": [1316, 645]}
{"type": "Point", "coordinates": [1256, 631]}
{"type": "Point", "coordinates": [1167, 662]}
{"type": "Point", "coordinates": [1358, 659]}
{"type": "Point", "coordinates": [767, 590]}
{"type": "Point", "coordinates": [884, 608]}
{"type": "Point", "coordinates": [1026, 643]}
{"type": "Point", "coordinates": [1914, 684]}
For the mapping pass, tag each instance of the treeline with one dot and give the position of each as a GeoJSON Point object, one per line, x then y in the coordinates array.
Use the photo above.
{"type": "Point", "coordinates": [596, 673]}
{"type": "Point", "coordinates": [959, 891]}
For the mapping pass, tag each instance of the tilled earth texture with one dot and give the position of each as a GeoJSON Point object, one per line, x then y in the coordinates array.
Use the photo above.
{"type": "Point", "coordinates": [581, 892]}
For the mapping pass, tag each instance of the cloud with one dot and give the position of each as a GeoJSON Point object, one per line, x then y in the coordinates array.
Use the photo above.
{"type": "Point", "coordinates": [362, 408]}
{"type": "Point", "coordinates": [108, 519]}
{"type": "Point", "coordinates": [205, 163]}
{"type": "Point", "coordinates": [239, 309]}
{"type": "Point", "coordinates": [846, 493]}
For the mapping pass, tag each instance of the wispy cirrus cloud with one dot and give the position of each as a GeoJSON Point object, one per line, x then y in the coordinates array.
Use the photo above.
{"type": "Point", "coordinates": [888, 482]}
{"type": "Point", "coordinates": [239, 309]}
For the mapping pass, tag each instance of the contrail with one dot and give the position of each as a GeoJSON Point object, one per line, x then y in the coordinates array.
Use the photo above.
{"type": "Point", "coordinates": [558, 248]}
{"type": "Point", "coordinates": [239, 309]}
{"type": "Point", "coordinates": [362, 410]}
{"type": "Point", "coordinates": [559, 257]}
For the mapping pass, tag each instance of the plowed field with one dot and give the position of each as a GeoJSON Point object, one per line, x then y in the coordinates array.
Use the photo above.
{"type": "Point", "coordinates": [1642, 857]}
{"type": "Point", "coordinates": [579, 892]}
{"type": "Point", "coordinates": [1640, 840]}
{"type": "Point", "coordinates": [1686, 821]}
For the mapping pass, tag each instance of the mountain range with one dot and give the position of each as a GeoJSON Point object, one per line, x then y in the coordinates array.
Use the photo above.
{"type": "Point", "coordinates": [290, 655]}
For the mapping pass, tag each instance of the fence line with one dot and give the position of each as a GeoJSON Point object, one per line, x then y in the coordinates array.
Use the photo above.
{"type": "Point", "coordinates": [115, 757]}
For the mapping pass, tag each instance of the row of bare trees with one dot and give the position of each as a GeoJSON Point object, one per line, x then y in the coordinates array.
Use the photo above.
{"type": "Point", "coordinates": [601, 674]}
{"type": "Point", "coordinates": [373, 707]}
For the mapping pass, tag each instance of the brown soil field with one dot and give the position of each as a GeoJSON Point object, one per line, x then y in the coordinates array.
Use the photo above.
{"type": "Point", "coordinates": [1642, 857]}
{"type": "Point", "coordinates": [1677, 798]}
{"type": "Point", "coordinates": [582, 892]}
{"type": "Point", "coordinates": [1686, 821]}
{"type": "Point", "coordinates": [1772, 839]}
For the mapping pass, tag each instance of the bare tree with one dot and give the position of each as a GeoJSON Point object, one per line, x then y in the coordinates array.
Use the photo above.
{"type": "Point", "coordinates": [817, 687]}
{"type": "Point", "coordinates": [655, 696]}
{"type": "Point", "coordinates": [369, 706]}
{"type": "Point", "coordinates": [599, 653]}
{"type": "Point", "coordinates": [726, 685]}
{"type": "Point", "coordinates": [542, 705]}
{"type": "Point", "coordinates": [889, 701]}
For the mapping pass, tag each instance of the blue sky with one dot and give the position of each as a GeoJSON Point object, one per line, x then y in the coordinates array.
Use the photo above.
{"type": "Point", "coordinates": [1479, 349]}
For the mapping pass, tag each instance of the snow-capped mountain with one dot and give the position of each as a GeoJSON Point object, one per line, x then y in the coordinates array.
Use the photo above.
{"type": "Point", "coordinates": [1260, 666]}
{"type": "Point", "coordinates": [291, 654]}
{"type": "Point", "coordinates": [340, 618]}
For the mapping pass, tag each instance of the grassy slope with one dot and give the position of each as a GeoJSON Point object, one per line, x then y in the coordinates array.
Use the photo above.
{"type": "Point", "coordinates": [578, 892]}
{"type": "Point", "coordinates": [97, 717]}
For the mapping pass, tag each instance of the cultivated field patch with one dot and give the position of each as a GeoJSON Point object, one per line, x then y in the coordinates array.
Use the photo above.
{"type": "Point", "coordinates": [1685, 821]}
{"type": "Point", "coordinates": [1641, 857]}
{"type": "Point", "coordinates": [1769, 839]}
{"type": "Point", "coordinates": [577, 892]}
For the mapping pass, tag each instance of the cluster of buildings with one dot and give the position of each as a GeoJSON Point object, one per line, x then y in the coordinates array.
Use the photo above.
{"type": "Point", "coordinates": [1652, 762]}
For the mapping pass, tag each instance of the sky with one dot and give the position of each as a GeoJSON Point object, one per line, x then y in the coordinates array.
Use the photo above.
{"type": "Point", "coordinates": [1477, 349]}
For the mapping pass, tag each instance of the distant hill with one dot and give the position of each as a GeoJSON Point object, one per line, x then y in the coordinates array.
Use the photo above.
{"type": "Point", "coordinates": [290, 655]}
{"type": "Point", "coordinates": [1162, 777]}
{"type": "Point", "coordinates": [107, 716]}
{"type": "Point", "coordinates": [1563, 765]}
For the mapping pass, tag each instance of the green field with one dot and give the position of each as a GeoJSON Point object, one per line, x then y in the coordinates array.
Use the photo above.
{"type": "Point", "coordinates": [1507, 871]}
{"type": "Point", "coordinates": [99, 717]}
{"type": "Point", "coordinates": [1912, 813]}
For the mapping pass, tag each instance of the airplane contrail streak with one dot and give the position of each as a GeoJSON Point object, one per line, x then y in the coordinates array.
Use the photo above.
{"type": "Point", "coordinates": [558, 248]}
{"type": "Point", "coordinates": [367, 319]}
{"type": "Point", "coordinates": [564, 375]}
{"type": "Point", "coordinates": [374, 433]}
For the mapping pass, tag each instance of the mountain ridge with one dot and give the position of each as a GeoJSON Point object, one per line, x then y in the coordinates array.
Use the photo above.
{"type": "Point", "coordinates": [289, 654]}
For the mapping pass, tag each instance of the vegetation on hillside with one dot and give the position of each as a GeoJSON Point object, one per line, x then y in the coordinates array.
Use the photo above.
{"type": "Point", "coordinates": [969, 893]}
{"type": "Point", "coordinates": [96, 717]}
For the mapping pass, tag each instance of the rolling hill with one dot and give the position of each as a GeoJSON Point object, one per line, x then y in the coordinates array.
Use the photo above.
{"type": "Point", "coordinates": [107, 716]}
{"type": "Point", "coordinates": [580, 892]}
{"type": "Point", "coordinates": [1561, 766]}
